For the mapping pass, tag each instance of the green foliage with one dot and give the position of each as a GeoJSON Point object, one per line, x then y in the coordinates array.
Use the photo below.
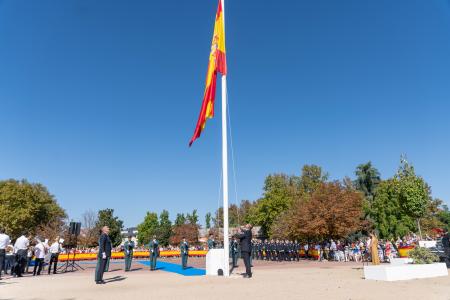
{"type": "Point", "coordinates": [386, 212]}
{"type": "Point", "coordinates": [27, 206]}
{"type": "Point", "coordinates": [192, 218]}
{"type": "Point", "coordinates": [444, 216]}
{"type": "Point", "coordinates": [278, 197]}
{"type": "Point", "coordinates": [106, 218]}
{"type": "Point", "coordinates": [180, 220]}
{"type": "Point", "coordinates": [208, 220]}
{"type": "Point", "coordinates": [399, 203]}
{"type": "Point", "coordinates": [312, 177]}
{"type": "Point", "coordinates": [421, 256]}
{"type": "Point", "coordinates": [367, 180]}
{"type": "Point", "coordinates": [165, 228]}
{"type": "Point", "coordinates": [148, 228]}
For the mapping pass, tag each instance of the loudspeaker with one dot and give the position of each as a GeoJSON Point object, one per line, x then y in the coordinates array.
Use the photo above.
{"type": "Point", "coordinates": [74, 228]}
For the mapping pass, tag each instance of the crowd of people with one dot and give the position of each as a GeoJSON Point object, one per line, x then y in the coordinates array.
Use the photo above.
{"type": "Point", "coordinates": [16, 257]}
{"type": "Point", "coordinates": [364, 249]}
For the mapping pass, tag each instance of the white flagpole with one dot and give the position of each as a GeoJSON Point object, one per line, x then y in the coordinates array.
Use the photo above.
{"type": "Point", "coordinates": [226, 246]}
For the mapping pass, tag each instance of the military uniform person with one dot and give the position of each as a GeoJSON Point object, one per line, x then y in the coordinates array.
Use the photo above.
{"type": "Point", "coordinates": [211, 242]}
{"type": "Point", "coordinates": [234, 252]}
{"type": "Point", "coordinates": [184, 253]}
{"type": "Point", "coordinates": [154, 252]}
{"type": "Point", "coordinates": [296, 250]}
{"type": "Point", "coordinates": [128, 248]}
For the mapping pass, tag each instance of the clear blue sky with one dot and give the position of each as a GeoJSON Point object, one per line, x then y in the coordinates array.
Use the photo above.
{"type": "Point", "coordinates": [100, 98]}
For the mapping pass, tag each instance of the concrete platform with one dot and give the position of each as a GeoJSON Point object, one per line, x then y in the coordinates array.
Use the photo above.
{"type": "Point", "coordinates": [404, 271]}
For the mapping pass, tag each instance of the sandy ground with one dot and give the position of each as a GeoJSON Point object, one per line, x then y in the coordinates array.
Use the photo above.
{"type": "Point", "coordinates": [287, 280]}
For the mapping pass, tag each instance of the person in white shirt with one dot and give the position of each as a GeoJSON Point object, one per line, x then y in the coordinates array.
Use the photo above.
{"type": "Point", "coordinates": [20, 249]}
{"type": "Point", "coordinates": [39, 254]}
{"type": "Point", "coordinates": [55, 249]}
{"type": "Point", "coordinates": [4, 242]}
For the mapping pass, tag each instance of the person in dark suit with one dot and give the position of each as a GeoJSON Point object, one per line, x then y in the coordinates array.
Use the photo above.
{"type": "Point", "coordinates": [104, 252]}
{"type": "Point", "coordinates": [245, 237]}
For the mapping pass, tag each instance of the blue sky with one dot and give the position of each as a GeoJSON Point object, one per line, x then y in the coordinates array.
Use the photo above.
{"type": "Point", "coordinates": [100, 98]}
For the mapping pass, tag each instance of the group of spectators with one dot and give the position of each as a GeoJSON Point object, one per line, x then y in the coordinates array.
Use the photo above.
{"type": "Point", "coordinates": [17, 256]}
{"type": "Point", "coordinates": [365, 248]}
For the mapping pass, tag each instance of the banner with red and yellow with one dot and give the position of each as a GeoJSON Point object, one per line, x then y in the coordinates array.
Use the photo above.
{"type": "Point", "coordinates": [217, 64]}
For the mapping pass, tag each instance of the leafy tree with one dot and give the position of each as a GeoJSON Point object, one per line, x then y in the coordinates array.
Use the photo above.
{"type": "Point", "coordinates": [444, 217]}
{"type": "Point", "coordinates": [180, 220]}
{"type": "Point", "coordinates": [389, 218]}
{"type": "Point", "coordinates": [190, 231]}
{"type": "Point", "coordinates": [367, 180]}
{"type": "Point", "coordinates": [165, 228]}
{"type": "Point", "coordinates": [208, 220]}
{"type": "Point", "coordinates": [233, 217]}
{"type": "Point", "coordinates": [192, 218]}
{"type": "Point", "coordinates": [106, 218]}
{"type": "Point", "coordinates": [332, 211]}
{"type": "Point", "coordinates": [148, 228]}
{"type": "Point", "coordinates": [312, 177]}
{"type": "Point", "coordinates": [24, 207]}
{"type": "Point", "coordinates": [278, 196]}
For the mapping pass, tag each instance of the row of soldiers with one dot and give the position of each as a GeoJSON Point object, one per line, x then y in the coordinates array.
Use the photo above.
{"type": "Point", "coordinates": [276, 250]}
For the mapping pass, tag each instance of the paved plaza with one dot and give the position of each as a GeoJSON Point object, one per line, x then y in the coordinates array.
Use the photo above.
{"type": "Point", "coordinates": [286, 280]}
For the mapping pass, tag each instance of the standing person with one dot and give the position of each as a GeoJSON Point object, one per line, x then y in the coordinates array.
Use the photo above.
{"type": "Point", "coordinates": [446, 245]}
{"type": "Point", "coordinates": [55, 249]}
{"type": "Point", "coordinates": [234, 252]}
{"type": "Point", "coordinates": [245, 237]}
{"type": "Point", "coordinates": [184, 252]}
{"type": "Point", "coordinates": [39, 255]}
{"type": "Point", "coordinates": [211, 242]}
{"type": "Point", "coordinates": [374, 249]}
{"type": "Point", "coordinates": [128, 248]}
{"type": "Point", "coordinates": [20, 250]}
{"type": "Point", "coordinates": [104, 252]}
{"type": "Point", "coordinates": [4, 242]}
{"type": "Point", "coordinates": [154, 252]}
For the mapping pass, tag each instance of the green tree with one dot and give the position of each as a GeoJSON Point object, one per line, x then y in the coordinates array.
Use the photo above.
{"type": "Point", "coordinates": [414, 192]}
{"type": "Point", "coordinates": [180, 220]}
{"type": "Point", "coordinates": [165, 228]}
{"type": "Point", "coordinates": [192, 218]}
{"type": "Point", "coordinates": [444, 216]}
{"type": "Point", "coordinates": [389, 218]}
{"type": "Point", "coordinates": [208, 220]}
{"type": "Point", "coordinates": [24, 207]}
{"type": "Point", "coordinates": [400, 202]}
{"type": "Point", "coordinates": [148, 228]}
{"type": "Point", "coordinates": [278, 196]}
{"type": "Point", "coordinates": [312, 177]}
{"type": "Point", "coordinates": [367, 180]}
{"type": "Point", "coordinates": [106, 218]}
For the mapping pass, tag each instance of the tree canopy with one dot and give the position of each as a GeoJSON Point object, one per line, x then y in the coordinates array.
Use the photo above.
{"type": "Point", "coordinates": [26, 207]}
{"type": "Point", "coordinates": [106, 218]}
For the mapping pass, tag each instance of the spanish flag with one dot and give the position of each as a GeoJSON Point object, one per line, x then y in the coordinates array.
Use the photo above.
{"type": "Point", "coordinates": [217, 63]}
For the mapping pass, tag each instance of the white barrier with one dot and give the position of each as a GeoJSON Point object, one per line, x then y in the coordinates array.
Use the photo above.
{"type": "Point", "coordinates": [404, 271]}
{"type": "Point", "coordinates": [215, 261]}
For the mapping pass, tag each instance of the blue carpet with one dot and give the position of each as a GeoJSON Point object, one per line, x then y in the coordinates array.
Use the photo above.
{"type": "Point", "coordinates": [175, 268]}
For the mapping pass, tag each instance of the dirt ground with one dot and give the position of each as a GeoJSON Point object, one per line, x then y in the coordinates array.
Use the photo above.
{"type": "Point", "coordinates": [285, 280]}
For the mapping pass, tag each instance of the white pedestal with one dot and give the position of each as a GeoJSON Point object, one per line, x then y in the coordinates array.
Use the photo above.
{"type": "Point", "coordinates": [404, 271]}
{"type": "Point", "coordinates": [401, 261]}
{"type": "Point", "coordinates": [215, 261]}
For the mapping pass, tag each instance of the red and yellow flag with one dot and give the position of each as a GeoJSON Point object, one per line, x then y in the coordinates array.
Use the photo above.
{"type": "Point", "coordinates": [217, 63]}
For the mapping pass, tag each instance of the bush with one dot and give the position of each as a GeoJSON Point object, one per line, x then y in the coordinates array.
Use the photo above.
{"type": "Point", "coordinates": [421, 255]}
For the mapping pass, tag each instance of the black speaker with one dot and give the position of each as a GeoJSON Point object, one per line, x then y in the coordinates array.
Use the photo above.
{"type": "Point", "coordinates": [74, 228]}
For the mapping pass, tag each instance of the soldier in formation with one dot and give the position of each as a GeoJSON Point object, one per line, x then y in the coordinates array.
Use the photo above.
{"type": "Point", "coordinates": [128, 248]}
{"type": "Point", "coordinates": [154, 252]}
